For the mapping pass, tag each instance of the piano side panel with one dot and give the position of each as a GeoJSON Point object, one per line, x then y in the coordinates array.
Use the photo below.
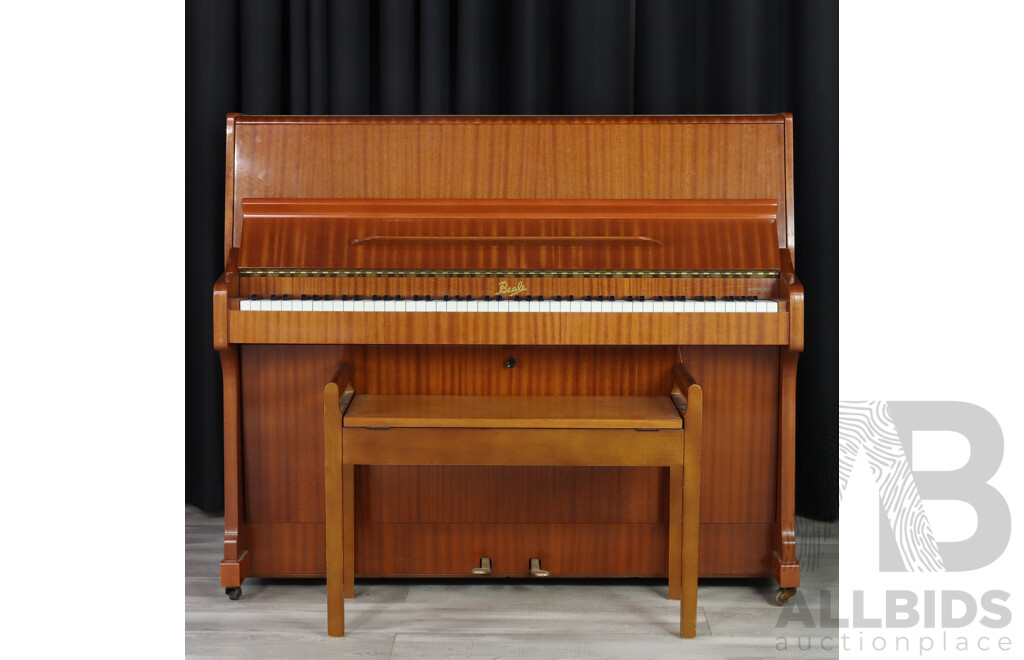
{"type": "Point", "coordinates": [503, 158]}
{"type": "Point", "coordinates": [283, 431]}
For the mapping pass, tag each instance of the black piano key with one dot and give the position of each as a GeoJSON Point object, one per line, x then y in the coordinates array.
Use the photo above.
{"type": "Point", "coordinates": [558, 298]}
{"type": "Point", "coordinates": [328, 297]}
{"type": "Point", "coordinates": [302, 297]}
{"type": "Point", "coordinates": [540, 298]}
{"type": "Point", "coordinates": [590, 298]}
{"type": "Point", "coordinates": [468, 298]}
{"type": "Point", "coordinates": [754, 298]}
{"type": "Point", "coordinates": [446, 298]}
{"type": "Point", "coordinates": [661, 299]}
{"type": "Point", "coordinates": [487, 298]}
{"type": "Point", "coordinates": [571, 298]}
{"type": "Point", "coordinates": [629, 298]}
{"type": "Point", "coordinates": [254, 297]}
{"type": "Point", "coordinates": [273, 297]}
{"type": "Point", "coordinates": [642, 299]}
{"type": "Point", "coordinates": [416, 298]}
{"type": "Point", "coordinates": [497, 298]}
{"type": "Point", "coordinates": [284, 297]}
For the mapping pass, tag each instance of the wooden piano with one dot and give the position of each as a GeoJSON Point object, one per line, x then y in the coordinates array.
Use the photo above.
{"type": "Point", "coordinates": [508, 257]}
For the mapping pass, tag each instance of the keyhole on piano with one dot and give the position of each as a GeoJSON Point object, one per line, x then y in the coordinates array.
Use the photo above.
{"type": "Point", "coordinates": [511, 362]}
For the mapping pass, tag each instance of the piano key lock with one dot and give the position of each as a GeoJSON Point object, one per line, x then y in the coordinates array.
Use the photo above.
{"type": "Point", "coordinates": [511, 362]}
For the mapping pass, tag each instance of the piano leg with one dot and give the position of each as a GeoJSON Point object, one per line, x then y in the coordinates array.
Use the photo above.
{"type": "Point", "coordinates": [235, 566]}
{"type": "Point", "coordinates": [785, 566]}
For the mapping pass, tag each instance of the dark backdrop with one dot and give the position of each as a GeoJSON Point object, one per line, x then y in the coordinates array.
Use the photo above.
{"type": "Point", "coordinates": [519, 57]}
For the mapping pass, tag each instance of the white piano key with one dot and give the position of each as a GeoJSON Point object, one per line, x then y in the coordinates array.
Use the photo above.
{"type": "Point", "coordinates": [307, 305]}
{"type": "Point", "coordinates": [534, 305]}
{"type": "Point", "coordinates": [773, 306]}
{"type": "Point", "coordinates": [606, 306]}
{"type": "Point", "coordinates": [576, 306]}
{"type": "Point", "coordinates": [461, 305]}
{"type": "Point", "coordinates": [317, 305]}
{"type": "Point", "coordinates": [503, 305]}
{"type": "Point", "coordinates": [389, 306]}
{"type": "Point", "coordinates": [762, 305]}
{"type": "Point", "coordinates": [730, 306]}
{"type": "Point", "coordinates": [244, 304]}
{"type": "Point", "coordinates": [678, 306]}
{"type": "Point", "coordinates": [719, 306]}
{"type": "Point", "coordinates": [544, 306]}
{"type": "Point", "coordinates": [491, 306]}
{"type": "Point", "coordinates": [275, 305]}
{"type": "Point", "coordinates": [647, 306]}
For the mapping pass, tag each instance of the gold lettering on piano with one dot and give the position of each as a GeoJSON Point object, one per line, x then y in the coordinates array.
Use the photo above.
{"type": "Point", "coordinates": [504, 289]}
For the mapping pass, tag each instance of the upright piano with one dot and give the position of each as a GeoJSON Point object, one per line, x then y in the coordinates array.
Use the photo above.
{"type": "Point", "coordinates": [508, 256]}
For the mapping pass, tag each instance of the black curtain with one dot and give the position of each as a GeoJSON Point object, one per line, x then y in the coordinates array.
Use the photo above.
{"type": "Point", "coordinates": [519, 57]}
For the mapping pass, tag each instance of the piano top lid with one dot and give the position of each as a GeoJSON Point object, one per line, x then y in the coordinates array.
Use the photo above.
{"type": "Point", "coordinates": [521, 235]}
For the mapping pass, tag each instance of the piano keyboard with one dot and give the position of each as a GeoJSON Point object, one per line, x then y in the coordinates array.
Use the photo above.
{"type": "Point", "coordinates": [661, 304]}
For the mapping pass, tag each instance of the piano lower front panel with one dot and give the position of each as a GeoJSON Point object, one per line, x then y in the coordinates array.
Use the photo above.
{"type": "Point", "coordinates": [437, 520]}
{"type": "Point", "coordinates": [568, 550]}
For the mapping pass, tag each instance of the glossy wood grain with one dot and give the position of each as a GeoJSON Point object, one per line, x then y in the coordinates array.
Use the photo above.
{"type": "Point", "coordinates": [510, 158]}
{"type": "Point", "coordinates": [569, 329]}
{"type": "Point", "coordinates": [496, 234]}
{"type": "Point", "coordinates": [491, 411]}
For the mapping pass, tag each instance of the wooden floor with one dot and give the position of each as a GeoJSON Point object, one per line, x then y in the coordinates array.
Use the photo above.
{"type": "Point", "coordinates": [501, 618]}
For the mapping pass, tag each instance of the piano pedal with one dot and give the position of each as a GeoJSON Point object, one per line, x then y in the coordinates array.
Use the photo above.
{"type": "Point", "coordinates": [535, 569]}
{"type": "Point", "coordinates": [484, 568]}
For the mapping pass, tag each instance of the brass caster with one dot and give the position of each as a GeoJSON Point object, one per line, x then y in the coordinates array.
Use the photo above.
{"type": "Point", "coordinates": [234, 593]}
{"type": "Point", "coordinates": [783, 595]}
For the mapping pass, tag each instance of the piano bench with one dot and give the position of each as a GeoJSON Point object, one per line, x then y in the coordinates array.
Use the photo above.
{"type": "Point", "coordinates": [398, 429]}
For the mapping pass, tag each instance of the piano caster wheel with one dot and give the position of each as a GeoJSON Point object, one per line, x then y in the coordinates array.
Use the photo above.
{"type": "Point", "coordinates": [783, 595]}
{"type": "Point", "coordinates": [234, 593]}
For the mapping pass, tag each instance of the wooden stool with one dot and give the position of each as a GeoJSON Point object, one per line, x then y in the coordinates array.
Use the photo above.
{"type": "Point", "coordinates": [404, 429]}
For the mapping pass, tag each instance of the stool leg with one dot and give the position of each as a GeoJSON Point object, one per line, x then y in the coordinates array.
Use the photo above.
{"type": "Point", "coordinates": [675, 531]}
{"type": "Point", "coordinates": [690, 545]}
{"type": "Point", "coordinates": [334, 487]}
{"type": "Point", "coordinates": [348, 540]}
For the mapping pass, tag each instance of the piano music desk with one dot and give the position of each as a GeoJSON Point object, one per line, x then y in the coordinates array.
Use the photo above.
{"type": "Point", "coordinates": [411, 429]}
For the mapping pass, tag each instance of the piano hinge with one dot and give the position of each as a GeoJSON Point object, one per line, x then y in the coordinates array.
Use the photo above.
{"type": "Point", "coordinates": [646, 429]}
{"type": "Point", "coordinates": [377, 428]}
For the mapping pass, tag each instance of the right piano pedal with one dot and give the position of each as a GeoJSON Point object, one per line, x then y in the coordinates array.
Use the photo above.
{"type": "Point", "coordinates": [536, 570]}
